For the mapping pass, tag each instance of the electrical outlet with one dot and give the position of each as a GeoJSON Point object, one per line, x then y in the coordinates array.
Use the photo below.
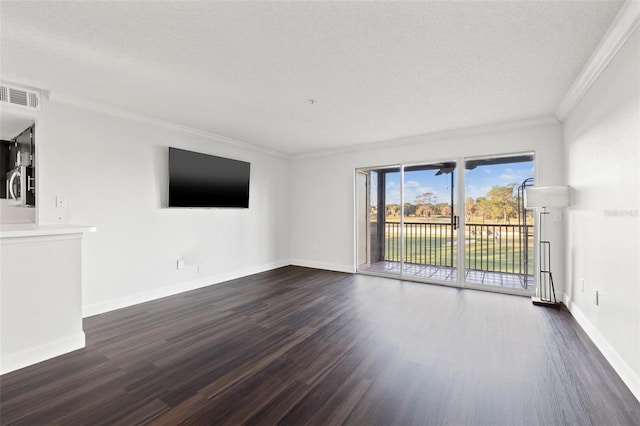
{"type": "Point", "coordinates": [582, 285]}
{"type": "Point", "coordinates": [180, 264]}
{"type": "Point", "coordinates": [596, 298]}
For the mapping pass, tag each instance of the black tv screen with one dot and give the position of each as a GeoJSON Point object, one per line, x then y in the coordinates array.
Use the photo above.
{"type": "Point", "coordinates": [201, 180]}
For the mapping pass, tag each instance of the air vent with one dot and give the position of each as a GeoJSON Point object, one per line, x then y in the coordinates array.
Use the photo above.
{"type": "Point", "coordinates": [25, 98]}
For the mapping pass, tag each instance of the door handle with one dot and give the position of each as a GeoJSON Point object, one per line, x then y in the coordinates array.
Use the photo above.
{"type": "Point", "coordinates": [13, 178]}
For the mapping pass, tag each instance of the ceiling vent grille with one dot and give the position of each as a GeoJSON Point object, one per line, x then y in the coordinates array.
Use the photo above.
{"type": "Point", "coordinates": [25, 98]}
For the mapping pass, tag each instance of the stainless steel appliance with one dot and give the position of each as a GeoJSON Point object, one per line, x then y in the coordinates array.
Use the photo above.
{"type": "Point", "coordinates": [21, 187]}
{"type": "Point", "coordinates": [17, 169]}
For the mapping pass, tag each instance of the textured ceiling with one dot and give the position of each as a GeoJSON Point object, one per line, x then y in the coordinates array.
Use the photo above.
{"type": "Point", "coordinates": [245, 70]}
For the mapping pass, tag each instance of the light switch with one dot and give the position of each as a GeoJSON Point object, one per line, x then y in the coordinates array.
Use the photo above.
{"type": "Point", "coordinates": [61, 201]}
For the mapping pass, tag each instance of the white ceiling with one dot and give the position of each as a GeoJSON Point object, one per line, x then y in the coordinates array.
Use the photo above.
{"type": "Point", "coordinates": [12, 125]}
{"type": "Point", "coordinates": [246, 70]}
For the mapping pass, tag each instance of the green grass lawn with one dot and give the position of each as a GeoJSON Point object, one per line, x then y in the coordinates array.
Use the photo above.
{"type": "Point", "coordinates": [484, 252]}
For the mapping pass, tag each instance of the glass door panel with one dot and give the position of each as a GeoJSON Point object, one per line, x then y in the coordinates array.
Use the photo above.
{"type": "Point", "coordinates": [392, 216]}
{"type": "Point", "coordinates": [499, 232]}
{"type": "Point", "coordinates": [429, 222]}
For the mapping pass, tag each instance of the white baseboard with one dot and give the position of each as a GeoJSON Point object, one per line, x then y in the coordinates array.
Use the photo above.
{"type": "Point", "coordinates": [41, 353]}
{"type": "Point", "coordinates": [624, 370]}
{"type": "Point", "coordinates": [134, 299]}
{"type": "Point", "coordinates": [322, 265]}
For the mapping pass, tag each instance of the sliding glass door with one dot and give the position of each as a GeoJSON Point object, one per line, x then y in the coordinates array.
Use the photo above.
{"type": "Point", "coordinates": [499, 232]}
{"type": "Point", "coordinates": [430, 222]}
{"type": "Point", "coordinates": [412, 222]}
{"type": "Point", "coordinates": [409, 224]}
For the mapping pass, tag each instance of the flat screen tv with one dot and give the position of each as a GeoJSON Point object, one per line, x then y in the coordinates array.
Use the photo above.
{"type": "Point", "coordinates": [201, 180]}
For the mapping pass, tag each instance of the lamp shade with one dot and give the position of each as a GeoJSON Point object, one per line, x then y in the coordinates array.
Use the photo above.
{"type": "Point", "coordinates": [546, 196]}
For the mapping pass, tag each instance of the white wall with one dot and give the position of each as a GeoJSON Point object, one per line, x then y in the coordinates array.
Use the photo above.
{"type": "Point", "coordinates": [40, 298]}
{"type": "Point", "coordinates": [323, 194]}
{"type": "Point", "coordinates": [602, 139]}
{"type": "Point", "coordinates": [113, 173]}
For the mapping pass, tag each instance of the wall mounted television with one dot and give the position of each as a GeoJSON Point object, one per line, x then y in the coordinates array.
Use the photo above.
{"type": "Point", "coordinates": [202, 180]}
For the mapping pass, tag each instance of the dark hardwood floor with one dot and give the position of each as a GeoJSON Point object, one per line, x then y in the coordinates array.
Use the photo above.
{"type": "Point", "coordinates": [301, 346]}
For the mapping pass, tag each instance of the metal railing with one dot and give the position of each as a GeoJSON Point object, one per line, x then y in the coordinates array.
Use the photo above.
{"type": "Point", "coordinates": [425, 243]}
{"type": "Point", "coordinates": [493, 248]}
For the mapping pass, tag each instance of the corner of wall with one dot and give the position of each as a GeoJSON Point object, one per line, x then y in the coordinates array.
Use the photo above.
{"type": "Point", "coordinates": [349, 269]}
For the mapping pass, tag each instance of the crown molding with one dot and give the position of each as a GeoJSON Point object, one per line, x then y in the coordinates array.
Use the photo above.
{"type": "Point", "coordinates": [56, 96]}
{"type": "Point", "coordinates": [623, 26]}
{"type": "Point", "coordinates": [500, 127]}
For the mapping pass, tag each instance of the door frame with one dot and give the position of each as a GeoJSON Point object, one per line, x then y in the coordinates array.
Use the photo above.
{"type": "Point", "coordinates": [401, 168]}
{"type": "Point", "coordinates": [358, 219]}
{"type": "Point", "coordinates": [460, 241]}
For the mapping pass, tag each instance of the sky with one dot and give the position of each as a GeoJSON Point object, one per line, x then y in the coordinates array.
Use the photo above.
{"type": "Point", "coordinates": [477, 182]}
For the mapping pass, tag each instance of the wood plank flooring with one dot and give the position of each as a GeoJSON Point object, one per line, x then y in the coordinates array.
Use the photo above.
{"type": "Point", "coordinates": [299, 346]}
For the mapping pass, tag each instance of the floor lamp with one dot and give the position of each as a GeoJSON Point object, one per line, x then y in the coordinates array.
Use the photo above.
{"type": "Point", "coordinates": [543, 197]}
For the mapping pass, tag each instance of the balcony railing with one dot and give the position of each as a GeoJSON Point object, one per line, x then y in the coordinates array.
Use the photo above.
{"type": "Point", "coordinates": [492, 248]}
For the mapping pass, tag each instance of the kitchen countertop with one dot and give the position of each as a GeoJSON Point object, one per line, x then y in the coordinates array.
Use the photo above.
{"type": "Point", "coordinates": [13, 230]}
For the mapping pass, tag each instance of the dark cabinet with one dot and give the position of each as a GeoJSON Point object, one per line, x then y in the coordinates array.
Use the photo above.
{"type": "Point", "coordinates": [19, 154]}
{"type": "Point", "coordinates": [4, 167]}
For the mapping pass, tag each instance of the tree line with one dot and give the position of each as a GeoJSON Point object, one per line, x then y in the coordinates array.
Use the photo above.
{"type": "Point", "coordinates": [499, 205]}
